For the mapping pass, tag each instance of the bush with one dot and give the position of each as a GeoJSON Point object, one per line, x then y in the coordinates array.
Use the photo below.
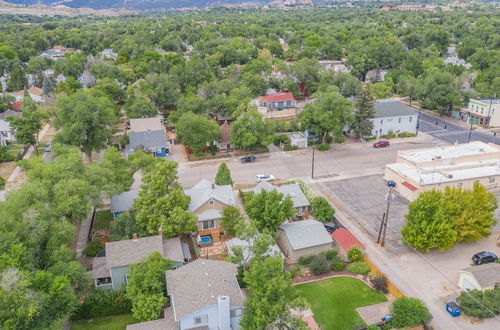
{"type": "Point", "coordinates": [380, 283]}
{"type": "Point", "coordinates": [358, 267]}
{"type": "Point", "coordinates": [289, 147]}
{"type": "Point", "coordinates": [355, 254]}
{"type": "Point", "coordinates": [330, 255]}
{"type": "Point", "coordinates": [281, 138]}
{"type": "Point", "coordinates": [321, 209]}
{"type": "Point", "coordinates": [5, 156]}
{"type": "Point", "coordinates": [323, 147]}
{"type": "Point", "coordinates": [2, 183]}
{"type": "Point", "coordinates": [306, 261]}
{"type": "Point", "coordinates": [102, 303]}
{"type": "Point", "coordinates": [94, 248]}
{"type": "Point", "coordinates": [338, 265]}
{"type": "Point", "coordinates": [408, 312]}
{"type": "Point", "coordinates": [489, 298]}
{"type": "Point", "coordinates": [405, 134]}
{"type": "Point", "coordinates": [390, 135]}
{"type": "Point", "coordinates": [319, 265]}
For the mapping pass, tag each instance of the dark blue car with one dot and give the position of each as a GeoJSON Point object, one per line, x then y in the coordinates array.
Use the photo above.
{"type": "Point", "coordinates": [453, 309]}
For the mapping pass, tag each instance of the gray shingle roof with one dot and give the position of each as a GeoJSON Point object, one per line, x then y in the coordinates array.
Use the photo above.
{"type": "Point", "coordinates": [166, 323]}
{"type": "Point", "coordinates": [293, 190]}
{"type": "Point", "coordinates": [99, 268]}
{"type": "Point", "coordinates": [392, 108]}
{"type": "Point", "coordinates": [486, 275]}
{"type": "Point", "coordinates": [199, 283]}
{"type": "Point", "coordinates": [209, 215]}
{"type": "Point", "coordinates": [123, 202]}
{"type": "Point", "coordinates": [202, 192]}
{"type": "Point", "coordinates": [129, 252]}
{"type": "Point", "coordinates": [306, 233]}
{"type": "Point", "coordinates": [147, 139]}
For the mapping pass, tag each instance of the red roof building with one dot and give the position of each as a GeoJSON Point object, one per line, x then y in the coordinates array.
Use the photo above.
{"type": "Point", "coordinates": [345, 239]}
{"type": "Point", "coordinates": [277, 101]}
{"type": "Point", "coordinates": [17, 106]}
{"type": "Point", "coordinates": [278, 97]}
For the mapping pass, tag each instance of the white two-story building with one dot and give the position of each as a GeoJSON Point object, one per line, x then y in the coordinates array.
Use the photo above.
{"type": "Point", "coordinates": [393, 115]}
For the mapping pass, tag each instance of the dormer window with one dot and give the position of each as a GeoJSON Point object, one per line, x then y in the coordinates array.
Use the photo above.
{"type": "Point", "coordinates": [211, 202]}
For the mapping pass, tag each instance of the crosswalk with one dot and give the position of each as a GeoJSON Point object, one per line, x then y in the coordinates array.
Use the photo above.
{"type": "Point", "coordinates": [450, 133]}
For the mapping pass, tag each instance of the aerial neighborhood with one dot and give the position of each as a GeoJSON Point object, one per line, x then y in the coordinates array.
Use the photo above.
{"type": "Point", "coordinates": [287, 164]}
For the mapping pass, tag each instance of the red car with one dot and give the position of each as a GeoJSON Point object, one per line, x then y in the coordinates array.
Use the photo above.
{"type": "Point", "coordinates": [381, 144]}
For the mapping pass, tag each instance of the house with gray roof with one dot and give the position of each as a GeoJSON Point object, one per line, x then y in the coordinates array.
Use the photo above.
{"type": "Point", "coordinates": [6, 132]}
{"type": "Point", "coordinates": [110, 268]}
{"type": "Point", "coordinates": [303, 238]}
{"type": "Point", "coordinates": [153, 142]}
{"type": "Point", "coordinates": [482, 277]}
{"type": "Point", "coordinates": [204, 295]}
{"type": "Point", "coordinates": [207, 202]}
{"type": "Point", "coordinates": [300, 202]}
{"type": "Point", "coordinates": [122, 202]}
{"type": "Point", "coordinates": [87, 79]}
{"type": "Point", "coordinates": [393, 115]}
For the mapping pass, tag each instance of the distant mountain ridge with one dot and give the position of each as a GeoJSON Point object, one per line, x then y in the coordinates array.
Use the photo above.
{"type": "Point", "coordinates": [141, 4]}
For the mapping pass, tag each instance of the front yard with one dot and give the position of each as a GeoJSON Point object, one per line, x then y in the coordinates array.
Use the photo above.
{"type": "Point", "coordinates": [114, 322]}
{"type": "Point", "coordinates": [334, 301]}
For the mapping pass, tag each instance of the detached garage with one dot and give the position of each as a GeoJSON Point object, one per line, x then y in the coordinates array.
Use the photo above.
{"type": "Point", "coordinates": [483, 277]}
{"type": "Point", "coordinates": [297, 139]}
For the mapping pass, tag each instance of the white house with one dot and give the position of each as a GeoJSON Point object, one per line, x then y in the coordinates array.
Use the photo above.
{"type": "Point", "coordinates": [109, 54]}
{"type": "Point", "coordinates": [393, 115]}
{"type": "Point", "coordinates": [6, 133]}
{"type": "Point", "coordinates": [297, 139]}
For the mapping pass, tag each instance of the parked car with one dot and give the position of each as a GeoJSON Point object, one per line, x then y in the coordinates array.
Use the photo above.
{"type": "Point", "coordinates": [48, 147]}
{"type": "Point", "coordinates": [381, 144]}
{"type": "Point", "coordinates": [330, 229]}
{"type": "Point", "coordinates": [264, 177]}
{"type": "Point", "coordinates": [484, 258]}
{"type": "Point", "coordinates": [453, 309]}
{"type": "Point", "coordinates": [248, 159]}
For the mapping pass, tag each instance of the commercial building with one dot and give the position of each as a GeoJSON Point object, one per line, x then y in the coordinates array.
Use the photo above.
{"type": "Point", "coordinates": [459, 165]}
{"type": "Point", "coordinates": [483, 112]}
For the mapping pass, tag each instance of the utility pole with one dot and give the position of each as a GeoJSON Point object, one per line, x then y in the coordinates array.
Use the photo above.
{"type": "Point", "coordinates": [312, 164]}
{"type": "Point", "coordinates": [380, 229]}
{"type": "Point", "coordinates": [470, 130]}
{"type": "Point", "coordinates": [391, 184]}
{"type": "Point", "coordinates": [418, 118]}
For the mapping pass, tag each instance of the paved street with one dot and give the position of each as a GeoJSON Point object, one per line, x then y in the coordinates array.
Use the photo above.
{"type": "Point", "coordinates": [453, 132]}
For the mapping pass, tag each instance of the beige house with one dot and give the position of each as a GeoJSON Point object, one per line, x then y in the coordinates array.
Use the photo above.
{"type": "Point", "coordinates": [459, 165]}
{"type": "Point", "coordinates": [483, 277]}
{"type": "Point", "coordinates": [207, 202]}
{"type": "Point", "coordinates": [303, 238]}
{"type": "Point", "coordinates": [483, 112]}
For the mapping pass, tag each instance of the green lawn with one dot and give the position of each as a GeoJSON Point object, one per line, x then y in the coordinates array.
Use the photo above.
{"type": "Point", "coordinates": [102, 219]}
{"type": "Point", "coordinates": [115, 322]}
{"type": "Point", "coordinates": [334, 301]}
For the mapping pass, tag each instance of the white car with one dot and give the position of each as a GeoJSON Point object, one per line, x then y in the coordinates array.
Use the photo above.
{"type": "Point", "coordinates": [264, 177]}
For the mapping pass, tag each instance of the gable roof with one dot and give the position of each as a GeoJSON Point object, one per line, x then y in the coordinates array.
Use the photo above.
{"type": "Point", "coordinates": [346, 239]}
{"type": "Point", "coordinates": [293, 190]}
{"type": "Point", "coordinates": [277, 97]}
{"type": "Point", "coordinates": [392, 108]}
{"type": "Point", "coordinates": [149, 139]}
{"type": "Point", "coordinates": [486, 275]}
{"type": "Point", "coordinates": [306, 233]}
{"type": "Point", "coordinates": [199, 283]}
{"type": "Point", "coordinates": [205, 190]}
{"type": "Point", "coordinates": [146, 124]}
{"type": "Point", "coordinates": [123, 202]}
{"type": "Point", "coordinates": [273, 251]}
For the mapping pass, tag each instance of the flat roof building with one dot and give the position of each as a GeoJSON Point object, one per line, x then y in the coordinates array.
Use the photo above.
{"type": "Point", "coordinates": [457, 166]}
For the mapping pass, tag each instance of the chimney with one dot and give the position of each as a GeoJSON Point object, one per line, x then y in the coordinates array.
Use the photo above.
{"type": "Point", "coordinates": [224, 313]}
{"type": "Point", "coordinates": [134, 236]}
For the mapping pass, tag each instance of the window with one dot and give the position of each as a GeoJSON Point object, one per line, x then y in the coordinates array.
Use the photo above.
{"type": "Point", "coordinates": [492, 180]}
{"type": "Point", "coordinates": [410, 119]}
{"type": "Point", "coordinates": [103, 281]}
{"type": "Point", "coordinates": [399, 120]}
{"type": "Point", "coordinates": [235, 312]}
{"type": "Point", "coordinates": [201, 319]}
{"type": "Point", "coordinates": [482, 109]}
{"type": "Point", "coordinates": [209, 224]}
{"type": "Point", "coordinates": [211, 202]}
{"type": "Point", "coordinates": [381, 121]}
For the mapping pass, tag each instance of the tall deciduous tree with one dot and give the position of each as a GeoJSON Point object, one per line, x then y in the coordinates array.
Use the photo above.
{"type": "Point", "coordinates": [321, 209]}
{"type": "Point", "coordinates": [140, 107]}
{"type": "Point", "coordinates": [223, 176]}
{"type": "Point", "coordinates": [268, 210]}
{"type": "Point", "coordinates": [271, 297]}
{"type": "Point", "coordinates": [328, 114]}
{"type": "Point", "coordinates": [162, 203]}
{"type": "Point", "coordinates": [84, 120]}
{"type": "Point", "coordinates": [196, 131]}
{"type": "Point", "coordinates": [363, 113]}
{"type": "Point", "coordinates": [408, 312]}
{"type": "Point", "coordinates": [146, 287]}
{"type": "Point", "coordinates": [28, 126]}
{"type": "Point", "coordinates": [231, 218]}
{"type": "Point", "coordinates": [439, 92]}
{"type": "Point", "coordinates": [250, 131]}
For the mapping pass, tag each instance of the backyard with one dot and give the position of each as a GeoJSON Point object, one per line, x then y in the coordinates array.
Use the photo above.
{"type": "Point", "coordinates": [114, 322]}
{"type": "Point", "coordinates": [334, 301]}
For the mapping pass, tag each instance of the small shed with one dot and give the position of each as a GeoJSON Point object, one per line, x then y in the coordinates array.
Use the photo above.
{"type": "Point", "coordinates": [483, 277]}
{"type": "Point", "coordinates": [345, 240]}
{"type": "Point", "coordinates": [297, 139]}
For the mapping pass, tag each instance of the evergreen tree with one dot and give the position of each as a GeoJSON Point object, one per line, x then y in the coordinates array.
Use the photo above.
{"type": "Point", "coordinates": [363, 112]}
{"type": "Point", "coordinates": [48, 85]}
{"type": "Point", "coordinates": [223, 176]}
{"type": "Point", "coordinates": [17, 79]}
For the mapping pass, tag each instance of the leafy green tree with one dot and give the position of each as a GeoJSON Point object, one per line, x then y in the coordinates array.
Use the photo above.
{"type": "Point", "coordinates": [251, 131]}
{"type": "Point", "coordinates": [439, 92]}
{"type": "Point", "coordinates": [306, 71]}
{"type": "Point", "coordinates": [140, 107]}
{"type": "Point", "coordinates": [328, 114]}
{"type": "Point", "coordinates": [112, 90]}
{"type": "Point", "coordinates": [28, 126]}
{"type": "Point", "coordinates": [426, 224]}
{"type": "Point", "coordinates": [147, 286]}
{"type": "Point", "coordinates": [469, 299]}
{"type": "Point", "coordinates": [223, 176]}
{"type": "Point", "coordinates": [5, 101]}
{"type": "Point", "coordinates": [72, 65]}
{"type": "Point", "coordinates": [380, 90]}
{"type": "Point", "coordinates": [271, 297]}
{"type": "Point", "coordinates": [256, 245]}
{"type": "Point", "coordinates": [162, 204]}
{"type": "Point", "coordinates": [125, 226]}
{"type": "Point", "coordinates": [197, 131]}
{"type": "Point", "coordinates": [231, 217]}
{"type": "Point", "coordinates": [68, 86]}
{"type": "Point", "coordinates": [408, 312]}
{"type": "Point", "coordinates": [321, 209]}
{"type": "Point", "coordinates": [363, 113]}
{"type": "Point", "coordinates": [17, 80]}
{"type": "Point", "coordinates": [84, 120]}
{"type": "Point", "coordinates": [268, 210]}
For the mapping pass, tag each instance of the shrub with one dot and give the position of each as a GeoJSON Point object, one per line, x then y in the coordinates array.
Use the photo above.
{"type": "Point", "coordinates": [289, 147]}
{"type": "Point", "coordinates": [2, 183]}
{"type": "Point", "coordinates": [281, 138]}
{"type": "Point", "coordinates": [489, 298]}
{"type": "Point", "coordinates": [323, 147]}
{"type": "Point", "coordinates": [358, 267]}
{"type": "Point", "coordinates": [338, 265]}
{"type": "Point", "coordinates": [405, 134]}
{"type": "Point", "coordinates": [330, 255]}
{"type": "Point", "coordinates": [5, 156]}
{"type": "Point", "coordinates": [94, 248]}
{"type": "Point", "coordinates": [102, 303]}
{"type": "Point", "coordinates": [355, 254]}
{"type": "Point", "coordinates": [321, 209]}
{"type": "Point", "coordinates": [408, 312]}
{"type": "Point", "coordinates": [390, 135]}
{"type": "Point", "coordinates": [319, 265]}
{"type": "Point", "coordinates": [380, 283]}
{"type": "Point", "coordinates": [306, 261]}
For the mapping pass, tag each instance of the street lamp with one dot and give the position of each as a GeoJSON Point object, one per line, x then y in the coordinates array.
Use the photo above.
{"type": "Point", "coordinates": [383, 226]}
